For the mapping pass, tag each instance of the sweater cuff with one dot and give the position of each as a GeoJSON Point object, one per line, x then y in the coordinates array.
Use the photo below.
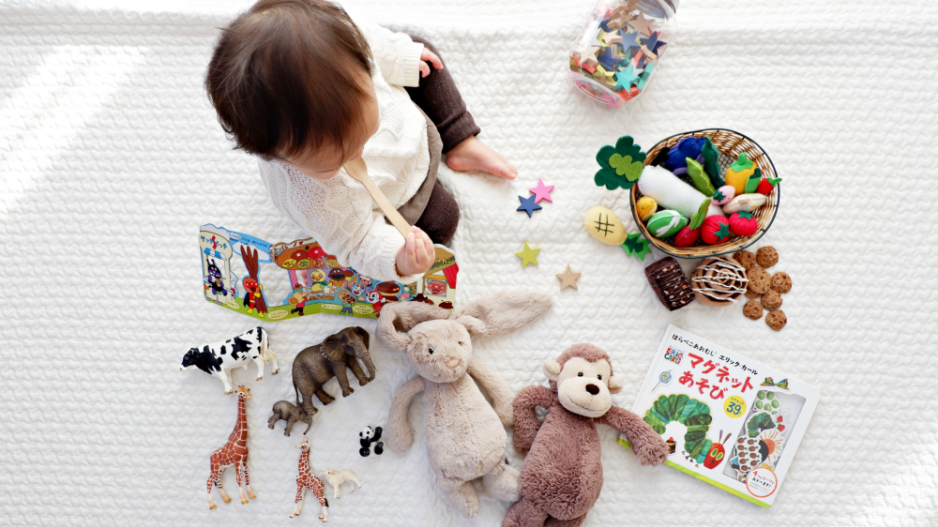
{"type": "Point", "coordinates": [410, 65]}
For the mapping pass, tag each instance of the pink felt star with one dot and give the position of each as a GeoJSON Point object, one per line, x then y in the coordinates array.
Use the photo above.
{"type": "Point", "coordinates": [542, 192]}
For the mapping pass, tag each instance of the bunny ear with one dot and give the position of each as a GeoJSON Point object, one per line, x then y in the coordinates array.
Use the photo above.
{"type": "Point", "coordinates": [503, 312]}
{"type": "Point", "coordinates": [399, 318]}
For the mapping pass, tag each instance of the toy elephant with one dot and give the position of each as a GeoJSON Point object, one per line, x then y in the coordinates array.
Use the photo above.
{"type": "Point", "coordinates": [292, 414]}
{"type": "Point", "coordinates": [465, 434]}
{"type": "Point", "coordinates": [315, 365]}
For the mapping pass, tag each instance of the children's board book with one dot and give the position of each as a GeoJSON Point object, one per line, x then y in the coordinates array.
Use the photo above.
{"type": "Point", "coordinates": [728, 420]}
{"type": "Point", "coordinates": [288, 280]}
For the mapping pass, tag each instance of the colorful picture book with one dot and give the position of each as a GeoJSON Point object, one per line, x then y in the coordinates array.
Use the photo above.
{"type": "Point", "coordinates": [288, 280]}
{"type": "Point", "coordinates": [728, 420]}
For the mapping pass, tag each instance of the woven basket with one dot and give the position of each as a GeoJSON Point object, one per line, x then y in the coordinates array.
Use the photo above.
{"type": "Point", "coordinates": [730, 144]}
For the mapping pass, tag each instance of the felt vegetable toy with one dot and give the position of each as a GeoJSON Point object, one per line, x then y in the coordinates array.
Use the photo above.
{"type": "Point", "coordinates": [689, 147]}
{"type": "Point", "coordinates": [621, 165]}
{"type": "Point", "coordinates": [645, 208]}
{"type": "Point", "coordinates": [711, 161]}
{"type": "Point", "coordinates": [666, 223]}
{"type": "Point", "coordinates": [686, 237]}
{"type": "Point", "coordinates": [464, 433]}
{"type": "Point", "coordinates": [604, 225]}
{"type": "Point", "coordinates": [767, 185]}
{"type": "Point", "coordinates": [753, 182]}
{"type": "Point", "coordinates": [715, 229]}
{"type": "Point", "coordinates": [723, 195]}
{"type": "Point", "coordinates": [745, 203]}
{"type": "Point", "coordinates": [737, 175]}
{"type": "Point", "coordinates": [636, 245]}
{"type": "Point", "coordinates": [696, 172]}
{"type": "Point", "coordinates": [671, 193]}
{"type": "Point", "coordinates": [743, 224]}
{"type": "Point", "coordinates": [561, 477]}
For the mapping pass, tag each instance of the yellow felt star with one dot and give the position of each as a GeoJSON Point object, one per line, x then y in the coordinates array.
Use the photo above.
{"type": "Point", "coordinates": [527, 255]}
{"type": "Point", "coordinates": [568, 279]}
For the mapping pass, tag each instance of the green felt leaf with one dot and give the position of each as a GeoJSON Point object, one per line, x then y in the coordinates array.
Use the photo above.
{"type": "Point", "coordinates": [712, 163]}
{"type": "Point", "coordinates": [620, 165]}
{"type": "Point", "coordinates": [723, 232]}
{"type": "Point", "coordinates": [696, 172]}
{"type": "Point", "coordinates": [718, 195]}
{"type": "Point", "coordinates": [774, 181]}
{"type": "Point", "coordinates": [697, 220]}
{"type": "Point", "coordinates": [742, 162]}
{"type": "Point", "coordinates": [636, 245]}
{"type": "Point", "coordinates": [745, 215]}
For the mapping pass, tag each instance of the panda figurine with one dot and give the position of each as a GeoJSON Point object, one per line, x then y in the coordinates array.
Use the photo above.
{"type": "Point", "coordinates": [366, 437]}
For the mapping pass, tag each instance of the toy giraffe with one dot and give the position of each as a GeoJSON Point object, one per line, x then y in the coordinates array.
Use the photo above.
{"type": "Point", "coordinates": [306, 480]}
{"type": "Point", "coordinates": [235, 452]}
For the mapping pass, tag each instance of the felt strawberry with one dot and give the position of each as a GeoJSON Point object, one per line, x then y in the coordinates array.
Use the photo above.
{"type": "Point", "coordinates": [743, 224]}
{"type": "Point", "coordinates": [715, 229]}
{"type": "Point", "coordinates": [767, 185]}
{"type": "Point", "coordinates": [686, 236]}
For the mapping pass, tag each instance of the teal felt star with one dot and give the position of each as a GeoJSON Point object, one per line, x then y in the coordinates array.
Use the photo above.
{"type": "Point", "coordinates": [723, 232]}
{"type": "Point", "coordinates": [621, 165]}
{"type": "Point", "coordinates": [636, 245]}
{"type": "Point", "coordinates": [625, 79]}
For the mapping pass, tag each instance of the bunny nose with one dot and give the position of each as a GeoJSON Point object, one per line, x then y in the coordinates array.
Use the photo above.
{"type": "Point", "coordinates": [592, 388]}
{"type": "Point", "coordinates": [452, 363]}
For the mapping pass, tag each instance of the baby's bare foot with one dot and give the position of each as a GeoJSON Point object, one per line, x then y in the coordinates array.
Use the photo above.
{"type": "Point", "coordinates": [471, 154]}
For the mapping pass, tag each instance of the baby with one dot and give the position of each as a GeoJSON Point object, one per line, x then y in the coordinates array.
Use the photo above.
{"type": "Point", "coordinates": [306, 89]}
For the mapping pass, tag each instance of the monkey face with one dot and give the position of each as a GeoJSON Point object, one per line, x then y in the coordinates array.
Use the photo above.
{"type": "Point", "coordinates": [440, 350]}
{"type": "Point", "coordinates": [583, 386]}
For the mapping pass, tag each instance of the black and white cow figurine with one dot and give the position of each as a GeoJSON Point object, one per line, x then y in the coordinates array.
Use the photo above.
{"type": "Point", "coordinates": [217, 359]}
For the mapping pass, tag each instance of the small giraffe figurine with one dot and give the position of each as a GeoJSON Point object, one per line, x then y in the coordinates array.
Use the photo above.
{"type": "Point", "coordinates": [235, 452]}
{"type": "Point", "coordinates": [306, 480]}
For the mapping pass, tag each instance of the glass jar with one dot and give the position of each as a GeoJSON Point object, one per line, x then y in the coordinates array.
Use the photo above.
{"type": "Point", "coordinates": [619, 48]}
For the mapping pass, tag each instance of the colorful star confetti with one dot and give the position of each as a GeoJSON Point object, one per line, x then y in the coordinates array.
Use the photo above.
{"type": "Point", "coordinates": [542, 192]}
{"type": "Point", "coordinates": [528, 205]}
{"type": "Point", "coordinates": [528, 255]}
{"type": "Point", "coordinates": [568, 278]}
{"type": "Point", "coordinates": [641, 24]}
{"type": "Point", "coordinates": [625, 79]}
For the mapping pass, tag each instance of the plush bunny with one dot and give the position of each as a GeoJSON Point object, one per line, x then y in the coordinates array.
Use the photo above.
{"type": "Point", "coordinates": [465, 435]}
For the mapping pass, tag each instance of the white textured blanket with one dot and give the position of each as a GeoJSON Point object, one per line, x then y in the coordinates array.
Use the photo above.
{"type": "Point", "coordinates": [110, 158]}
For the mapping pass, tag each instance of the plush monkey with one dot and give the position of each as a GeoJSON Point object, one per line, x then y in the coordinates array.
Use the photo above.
{"type": "Point", "coordinates": [562, 474]}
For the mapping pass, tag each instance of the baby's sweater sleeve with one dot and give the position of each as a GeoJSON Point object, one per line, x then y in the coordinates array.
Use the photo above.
{"type": "Point", "coordinates": [396, 55]}
{"type": "Point", "coordinates": [339, 215]}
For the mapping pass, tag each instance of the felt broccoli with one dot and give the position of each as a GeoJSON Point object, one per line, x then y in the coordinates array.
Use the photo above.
{"type": "Point", "coordinates": [621, 164]}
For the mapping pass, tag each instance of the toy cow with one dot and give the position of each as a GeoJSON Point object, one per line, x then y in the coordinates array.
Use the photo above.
{"type": "Point", "coordinates": [217, 359]}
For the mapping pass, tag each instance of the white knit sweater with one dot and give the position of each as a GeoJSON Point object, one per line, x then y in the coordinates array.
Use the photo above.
{"type": "Point", "coordinates": [338, 212]}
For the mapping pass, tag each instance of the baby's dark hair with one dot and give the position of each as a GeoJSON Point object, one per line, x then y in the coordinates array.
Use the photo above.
{"type": "Point", "coordinates": [287, 75]}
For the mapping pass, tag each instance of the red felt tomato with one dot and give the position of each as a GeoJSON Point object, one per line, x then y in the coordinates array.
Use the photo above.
{"type": "Point", "coordinates": [715, 229]}
{"type": "Point", "coordinates": [743, 224]}
{"type": "Point", "coordinates": [686, 237]}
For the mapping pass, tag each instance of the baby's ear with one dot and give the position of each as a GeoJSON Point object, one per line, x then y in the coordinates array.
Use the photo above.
{"type": "Point", "coordinates": [615, 385]}
{"type": "Point", "coordinates": [552, 369]}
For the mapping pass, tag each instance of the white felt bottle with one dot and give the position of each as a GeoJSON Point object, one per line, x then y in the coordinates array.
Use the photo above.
{"type": "Point", "coordinates": [670, 192]}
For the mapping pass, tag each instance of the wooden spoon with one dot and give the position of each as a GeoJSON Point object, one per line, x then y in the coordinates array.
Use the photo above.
{"type": "Point", "coordinates": [359, 172]}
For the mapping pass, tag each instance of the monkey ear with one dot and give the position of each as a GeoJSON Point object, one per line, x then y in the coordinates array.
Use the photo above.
{"type": "Point", "coordinates": [552, 369]}
{"type": "Point", "coordinates": [615, 385]}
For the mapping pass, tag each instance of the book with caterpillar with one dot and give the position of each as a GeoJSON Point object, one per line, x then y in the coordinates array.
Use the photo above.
{"type": "Point", "coordinates": [727, 420]}
{"type": "Point", "coordinates": [287, 280]}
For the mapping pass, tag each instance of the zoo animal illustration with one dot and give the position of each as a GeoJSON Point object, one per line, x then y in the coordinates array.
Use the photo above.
{"type": "Point", "coordinates": [233, 454]}
{"type": "Point", "coordinates": [292, 414]}
{"type": "Point", "coordinates": [306, 480]}
{"type": "Point", "coordinates": [562, 475]}
{"type": "Point", "coordinates": [315, 365]}
{"type": "Point", "coordinates": [465, 434]}
{"type": "Point", "coordinates": [220, 358]}
{"type": "Point", "coordinates": [253, 298]}
{"type": "Point", "coordinates": [337, 477]}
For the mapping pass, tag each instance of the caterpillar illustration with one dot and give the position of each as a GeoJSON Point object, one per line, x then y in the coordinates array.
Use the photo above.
{"type": "Point", "coordinates": [691, 413]}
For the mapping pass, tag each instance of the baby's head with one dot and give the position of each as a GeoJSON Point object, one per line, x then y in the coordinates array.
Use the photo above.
{"type": "Point", "coordinates": [291, 80]}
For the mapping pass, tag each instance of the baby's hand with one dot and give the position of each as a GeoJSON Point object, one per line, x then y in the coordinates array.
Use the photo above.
{"type": "Point", "coordinates": [429, 56]}
{"type": "Point", "coordinates": [417, 254]}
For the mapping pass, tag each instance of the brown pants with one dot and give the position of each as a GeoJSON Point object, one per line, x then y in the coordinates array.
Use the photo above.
{"type": "Point", "coordinates": [439, 99]}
